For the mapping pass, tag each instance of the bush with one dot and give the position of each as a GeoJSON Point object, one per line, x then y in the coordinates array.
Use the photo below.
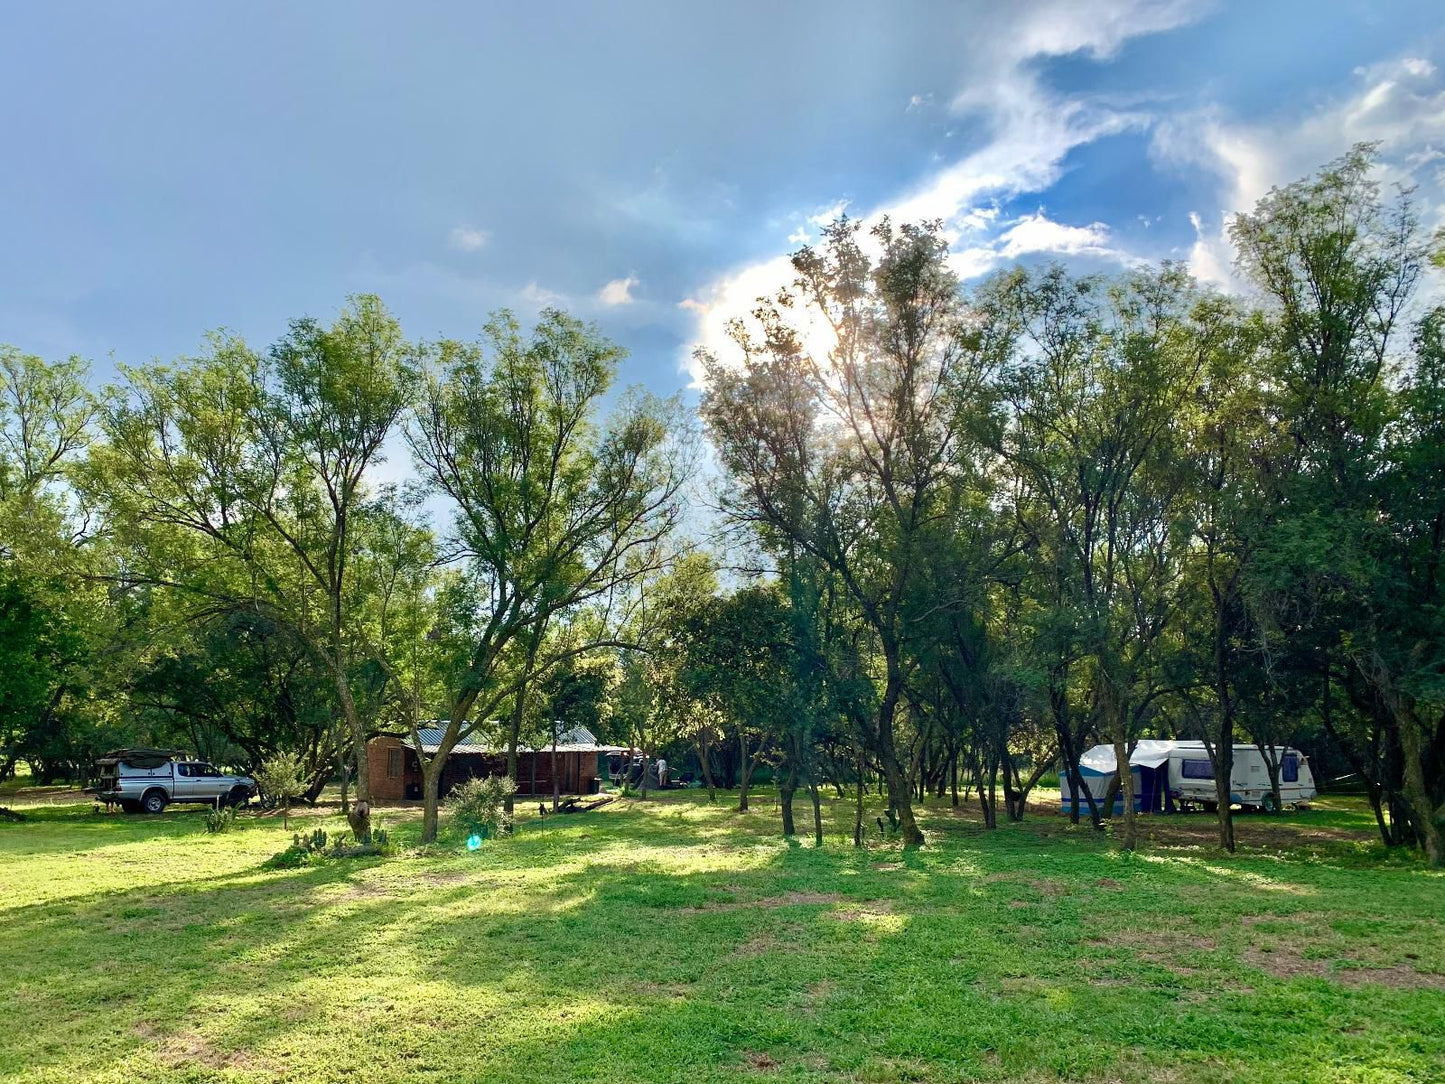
{"type": "Point", "coordinates": [477, 807]}
{"type": "Point", "coordinates": [220, 820]}
{"type": "Point", "coordinates": [316, 847]}
{"type": "Point", "coordinates": [282, 778]}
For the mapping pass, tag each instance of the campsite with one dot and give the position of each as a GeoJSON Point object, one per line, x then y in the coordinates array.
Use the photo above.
{"type": "Point", "coordinates": [832, 542]}
{"type": "Point", "coordinates": [676, 939]}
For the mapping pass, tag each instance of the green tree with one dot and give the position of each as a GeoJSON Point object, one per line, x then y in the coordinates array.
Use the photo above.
{"type": "Point", "coordinates": [835, 436]}
{"type": "Point", "coordinates": [238, 479]}
{"type": "Point", "coordinates": [554, 513]}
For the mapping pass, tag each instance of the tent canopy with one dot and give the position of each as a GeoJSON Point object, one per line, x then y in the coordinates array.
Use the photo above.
{"type": "Point", "coordinates": [1148, 753]}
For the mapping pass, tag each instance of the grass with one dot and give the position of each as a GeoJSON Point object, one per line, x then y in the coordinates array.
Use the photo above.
{"type": "Point", "coordinates": [673, 940]}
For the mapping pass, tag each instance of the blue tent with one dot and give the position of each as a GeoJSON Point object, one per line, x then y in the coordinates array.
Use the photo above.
{"type": "Point", "coordinates": [1148, 764]}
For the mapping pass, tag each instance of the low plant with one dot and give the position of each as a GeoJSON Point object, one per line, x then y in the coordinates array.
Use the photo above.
{"type": "Point", "coordinates": [220, 820]}
{"type": "Point", "coordinates": [478, 806]}
{"type": "Point", "coordinates": [317, 846]}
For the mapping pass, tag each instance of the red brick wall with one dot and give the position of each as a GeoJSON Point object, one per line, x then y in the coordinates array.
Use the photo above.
{"type": "Point", "coordinates": [385, 787]}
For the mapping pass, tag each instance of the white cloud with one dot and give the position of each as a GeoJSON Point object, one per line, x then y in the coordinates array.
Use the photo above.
{"type": "Point", "coordinates": [1398, 103]}
{"type": "Point", "coordinates": [468, 238]}
{"type": "Point", "coordinates": [618, 291]}
{"type": "Point", "coordinates": [540, 296]}
{"type": "Point", "coordinates": [1027, 134]}
{"type": "Point", "coordinates": [1038, 233]}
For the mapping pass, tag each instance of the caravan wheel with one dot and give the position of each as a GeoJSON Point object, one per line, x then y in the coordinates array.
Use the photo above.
{"type": "Point", "coordinates": [1269, 804]}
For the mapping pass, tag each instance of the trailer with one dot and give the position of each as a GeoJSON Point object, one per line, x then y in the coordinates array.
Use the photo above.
{"type": "Point", "coordinates": [1177, 776]}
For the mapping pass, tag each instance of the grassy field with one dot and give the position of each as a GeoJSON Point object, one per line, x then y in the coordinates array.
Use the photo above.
{"type": "Point", "coordinates": [677, 941]}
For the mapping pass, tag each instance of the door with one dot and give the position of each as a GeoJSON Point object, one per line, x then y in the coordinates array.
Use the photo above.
{"type": "Point", "coordinates": [184, 788]}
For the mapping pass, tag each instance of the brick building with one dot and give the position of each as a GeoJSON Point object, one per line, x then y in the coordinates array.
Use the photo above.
{"type": "Point", "coordinates": [395, 771]}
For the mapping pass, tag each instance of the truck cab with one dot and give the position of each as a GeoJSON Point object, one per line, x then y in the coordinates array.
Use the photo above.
{"type": "Point", "coordinates": [148, 780]}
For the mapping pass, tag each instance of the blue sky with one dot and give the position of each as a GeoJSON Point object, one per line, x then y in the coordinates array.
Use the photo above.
{"type": "Point", "coordinates": [174, 167]}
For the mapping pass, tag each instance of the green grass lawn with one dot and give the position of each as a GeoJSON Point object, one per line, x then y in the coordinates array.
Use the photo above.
{"type": "Point", "coordinates": [672, 940]}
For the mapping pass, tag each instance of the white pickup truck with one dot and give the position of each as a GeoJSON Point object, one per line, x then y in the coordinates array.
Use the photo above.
{"type": "Point", "coordinates": [148, 780]}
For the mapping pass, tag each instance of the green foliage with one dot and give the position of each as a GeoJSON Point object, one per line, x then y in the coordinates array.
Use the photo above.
{"type": "Point", "coordinates": [220, 820]}
{"type": "Point", "coordinates": [318, 847]}
{"type": "Point", "coordinates": [477, 806]}
{"type": "Point", "coordinates": [700, 942]}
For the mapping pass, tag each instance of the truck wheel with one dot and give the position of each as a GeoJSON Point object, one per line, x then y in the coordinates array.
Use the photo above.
{"type": "Point", "coordinates": [129, 805]}
{"type": "Point", "coordinates": [154, 802]}
{"type": "Point", "coordinates": [239, 796]}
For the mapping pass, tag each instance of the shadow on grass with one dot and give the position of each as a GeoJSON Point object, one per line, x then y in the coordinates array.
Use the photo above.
{"type": "Point", "coordinates": [672, 940]}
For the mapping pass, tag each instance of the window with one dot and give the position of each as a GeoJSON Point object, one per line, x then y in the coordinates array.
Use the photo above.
{"type": "Point", "coordinates": [206, 770]}
{"type": "Point", "coordinates": [393, 763]}
{"type": "Point", "coordinates": [186, 770]}
{"type": "Point", "coordinates": [1289, 768]}
{"type": "Point", "coordinates": [1197, 769]}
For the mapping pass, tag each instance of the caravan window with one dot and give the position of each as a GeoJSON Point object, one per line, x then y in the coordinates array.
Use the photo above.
{"type": "Point", "coordinates": [1197, 769]}
{"type": "Point", "coordinates": [1289, 768]}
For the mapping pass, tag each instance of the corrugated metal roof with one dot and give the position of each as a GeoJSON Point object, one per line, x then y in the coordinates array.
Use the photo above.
{"type": "Point", "coordinates": [575, 739]}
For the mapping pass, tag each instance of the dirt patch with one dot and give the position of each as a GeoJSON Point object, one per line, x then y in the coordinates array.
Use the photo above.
{"type": "Point", "coordinates": [187, 1048]}
{"type": "Point", "coordinates": [759, 1061]}
{"type": "Point", "coordinates": [1107, 882]}
{"type": "Point", "coordinates": [1286, 962]}
{"type": "Point", "coordinates": [866, 909]}
{"type": "Point", "coordinates": [767, 903]}
{"type": "Point", "coordinates": [672, 991]}
{"type": "Point", "coordinates": [888, 867]}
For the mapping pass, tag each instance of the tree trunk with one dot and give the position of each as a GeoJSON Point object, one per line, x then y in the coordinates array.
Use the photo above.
{"type": "Point", "coordinates": [1417, 793]}
{"type": "Point", "coordinates": [1223, 773]}
{"type": "Point", "coordinates": [431, 777]}
{"type": "Point", "coordinates": [785, 799]}
{"type": "Point", "coordinates": [745, 769]}
{"type": "Point", "coordinates": [360, 813]}
{"type": "Point", "coordinates": [858, 809]}
{"type": "Point", "coordinates": [702, 761]}
{"type": "Point", "coordinates": [1126, 784]}
{"type": "Point", "coordinates": [817, 811]}
{"type": "Point", "coordinates": [898, 791]}
{"type": "Point", "coordinates": [519, 705]}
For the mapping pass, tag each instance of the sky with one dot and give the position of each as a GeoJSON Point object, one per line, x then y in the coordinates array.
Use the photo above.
{"type": "Point", "coordinates": [170, 168]}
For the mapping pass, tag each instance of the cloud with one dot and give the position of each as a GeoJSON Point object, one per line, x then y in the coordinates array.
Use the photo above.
{"type": "Point", "coordinates": [468, 238]}
{"type": "Point", "coordinates": [1398, 103]}
{"type": "Point", "coordinates": [1038, 233]}
{"type": "Point", "coordinates": [1026, 134]}
{"type": "Point", "coordinates": [541, 296]}
{"type": "Point", "coordinates": [618, 291]}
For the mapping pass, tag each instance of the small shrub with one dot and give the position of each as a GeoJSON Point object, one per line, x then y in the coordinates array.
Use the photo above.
{"type": "Point", "coordinates": [477, 807]}
{"type": "Point", "coordinates": [316, 847]}
{"type": "Point", "coordinates": [220, 820]}
{"type": "Point", "coordinates": [282, 778]}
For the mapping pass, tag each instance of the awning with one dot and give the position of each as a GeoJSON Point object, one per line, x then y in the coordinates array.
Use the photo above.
{"type": "Point", "coordinates": [1148, 753]}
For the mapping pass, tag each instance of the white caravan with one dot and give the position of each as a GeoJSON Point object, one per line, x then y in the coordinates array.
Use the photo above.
{"type": "Point", "coordinates": [1170, 775]}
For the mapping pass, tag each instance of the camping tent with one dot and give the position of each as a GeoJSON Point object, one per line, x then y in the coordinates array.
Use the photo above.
{"type": "Point", "coordinates": [1148, 764]}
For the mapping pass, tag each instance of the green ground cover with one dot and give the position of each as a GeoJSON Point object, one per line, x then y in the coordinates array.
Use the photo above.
{"type": "Point", "coordinates": [672, 940]}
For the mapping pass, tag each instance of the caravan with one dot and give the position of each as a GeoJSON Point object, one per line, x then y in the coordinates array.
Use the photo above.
{"type": "Point", "coordinates": [1173, 776]}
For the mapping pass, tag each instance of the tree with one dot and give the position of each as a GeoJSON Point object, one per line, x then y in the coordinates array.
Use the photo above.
{"type": "Point", "coordinates": [282, 778]}
{"type": "Point", "coordinates": [238, 480]}
{"type": "Point", "coordinates": [835, 434]}
{"type": "Point", "coordinates": [552, 512]}
{"type": "Point", "coordinates": [1344, 569]}
{"type": "Point", "coordinates": [1093, 380]}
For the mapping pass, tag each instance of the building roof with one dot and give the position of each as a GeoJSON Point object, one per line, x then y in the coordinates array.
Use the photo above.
{"type": "Point", "coordinates": [574, 739]}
